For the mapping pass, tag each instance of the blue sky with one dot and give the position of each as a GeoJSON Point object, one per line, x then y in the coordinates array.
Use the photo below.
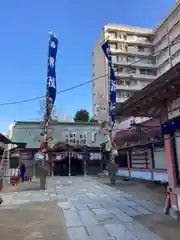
{"type": "Point", "coordinates": [23, 45]}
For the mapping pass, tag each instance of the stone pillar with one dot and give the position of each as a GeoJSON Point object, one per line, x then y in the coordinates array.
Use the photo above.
{"type": "Point", "coordinates": [129, 163]}
{"type": "Point", "coordinates": [151, 155]}
{"type": "Point", "coordinates": [52, 171]}
{"type": "Point", "coordinates": [34, 169]}
{"type": "Point", "coordinates": [69, 159]}
{"type": "Point", "coordinates": [85, 166]}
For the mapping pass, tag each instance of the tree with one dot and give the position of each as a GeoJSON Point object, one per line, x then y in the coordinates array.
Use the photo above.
{"type": "Point", "coordinates": [81, 116]}
{"type": "Point", "coordinates": [93, 120]}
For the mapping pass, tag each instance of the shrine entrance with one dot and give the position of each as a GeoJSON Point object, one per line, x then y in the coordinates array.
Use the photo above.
{"type": "Point", "coordinates": [61, 168]}
{"type": "Point", "coordinates": [77, 166]}
{"type": "Point", "coordinates": [68, 164]}
{"type": "Point", "coordinates": [66, 160]}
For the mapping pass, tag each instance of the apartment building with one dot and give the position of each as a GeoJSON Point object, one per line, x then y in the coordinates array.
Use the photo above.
{"type": "Point", "coordinates": [139, 56]}
{"type": "Point", "coordinates": [167, 41]}
{"type": "Point", "coordinates": [132, 52]}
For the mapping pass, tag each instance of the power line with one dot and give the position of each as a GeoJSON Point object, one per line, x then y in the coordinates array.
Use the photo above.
{"type": "Point", "coordinates": [87, 82]}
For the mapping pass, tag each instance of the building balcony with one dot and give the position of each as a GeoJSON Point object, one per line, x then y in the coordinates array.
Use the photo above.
{"type": "Point", "coordinates": [132, 51]}
{"type": "Point", "coordinates": [120, 99]}
{"type": "Point", "coordinates": [136, 87]}
{"type": "Point", "coordinates": [138, 76]}
{"type": "Point", "coordinates": [135, 63]}
{"type": "Point", "coordinates": [134, 40]}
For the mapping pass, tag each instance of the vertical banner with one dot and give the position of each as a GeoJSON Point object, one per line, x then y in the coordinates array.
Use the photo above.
{"type": "Point", "coordinates": [51, 75]}
{"type": "Point", "coordinates": [112, 83]}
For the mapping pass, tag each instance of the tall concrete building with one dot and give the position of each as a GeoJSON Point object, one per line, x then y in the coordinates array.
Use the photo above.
{"type": "Point", "coordinates": [167, 40]}
{"type": "Point", "coordinates": [135, 67]}
{"type": "Point", "coordinates": [139, 56]}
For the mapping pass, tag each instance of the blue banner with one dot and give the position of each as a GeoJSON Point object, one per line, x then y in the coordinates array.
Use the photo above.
{"type": "Point", "coordinates": [51, 74]}
{"type": "Point", "coordinates": [112, 83]}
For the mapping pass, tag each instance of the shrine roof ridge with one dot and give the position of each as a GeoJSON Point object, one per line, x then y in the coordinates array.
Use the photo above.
{"type": "Point", "coordinates": [4, 139]}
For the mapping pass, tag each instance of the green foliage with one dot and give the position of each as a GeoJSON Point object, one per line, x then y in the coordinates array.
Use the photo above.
{"type": "Point", "coordinates": [81, 116]}
{"type": "Point", "coordinates": [93, 120]}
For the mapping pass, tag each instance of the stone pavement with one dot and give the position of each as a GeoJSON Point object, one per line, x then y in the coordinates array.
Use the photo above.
{"type": "Point", "coordinates": [93, 210]}
{"type": "Point", "coordinates": [96, 211]}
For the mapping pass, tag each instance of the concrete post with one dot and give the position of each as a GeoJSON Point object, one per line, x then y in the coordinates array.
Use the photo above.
{"type": "Point", "coordinates": [69, 159]}
{"type": "Point", "coordinates": [85, 167]}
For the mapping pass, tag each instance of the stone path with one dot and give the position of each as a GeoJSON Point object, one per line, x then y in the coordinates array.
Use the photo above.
{"type": "Point", "coordinates": [96, 211]}
{"type": "Point", "coordinates": [93, 210]}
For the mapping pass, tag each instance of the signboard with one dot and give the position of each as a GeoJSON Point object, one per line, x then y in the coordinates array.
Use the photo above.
{"type": "Point", "coordinates": [95, 156]}
{"type": "Point", "coordinates": [51, 73]}
{"type": "Point", "coordinates": [15, 154]}
{"type": "Point", "coordinates": [26, 156]}
{"type": "Point", "coordinates": [38, 156]}
{"type": "Point", "coordinates": [63, 155]}
{"type": "Point", "coordinates": [112, 82]}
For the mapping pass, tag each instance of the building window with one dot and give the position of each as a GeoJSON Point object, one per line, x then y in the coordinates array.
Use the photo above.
{"type": "Point", "coordinates": [142, 39]}
{"type": "Point", "coordinates": [146, 71]}
{"type": "Point", "coordinates": [123, 47]}
{"type": "Point", "coordinates": [125, 94]}
{"type": "Point", "coordinates": [140, 159]}
{"type": "Point", "coordinates": [160, 42]}
{"type": "Point", "coordinates": [83, 138]}
{"type": "Point", "coordinates": [175, 55]}
{"type": "Point", "coordinates": [176, 40]}
{"type": "Point", "coordinates": [113, 46]}
{"type": "Point", "coordinates": [148, 60]}
{"type": "Point", "coordinates": [130, 59]}
{"type": "Point", "coordinates": [132, 70]}
{"type": "Point", "coordinates": [119, 70]}
{"type": "Point", "coordinates": [141, 48]}
{"type": "Point", "coordinates": [131, 48]}
{"type": "Point", "coordinates": [164, 65]}
{"type": "Point", "coordinates": [175, 27]}
{"type": "Point", "coordinates": [152, 61]}
{"type": "Point", "coordinates": [130, 37]}
{"type": "Point", "coordinates": [122, 82]}
{"type": "Point", "coordinates": [142, 71]}
{"type": "Point", "coordinates": [123, 35]}
{"type": "Point", "coordinates": [134, 82]}
{"type": "Point", "coordinates": [151, 72]}
{"type": "Point", "coordinates": [112, 34]}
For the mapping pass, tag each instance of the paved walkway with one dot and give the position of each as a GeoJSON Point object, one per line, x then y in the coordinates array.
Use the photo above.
{"type": "Point", "coordinates": [93, 210]}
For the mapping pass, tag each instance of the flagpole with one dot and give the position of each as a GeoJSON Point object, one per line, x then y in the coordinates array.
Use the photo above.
{"type": "Point", "coordinates": [112, 92]}
{"type": "Point", "coordinates": [50, 88]}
